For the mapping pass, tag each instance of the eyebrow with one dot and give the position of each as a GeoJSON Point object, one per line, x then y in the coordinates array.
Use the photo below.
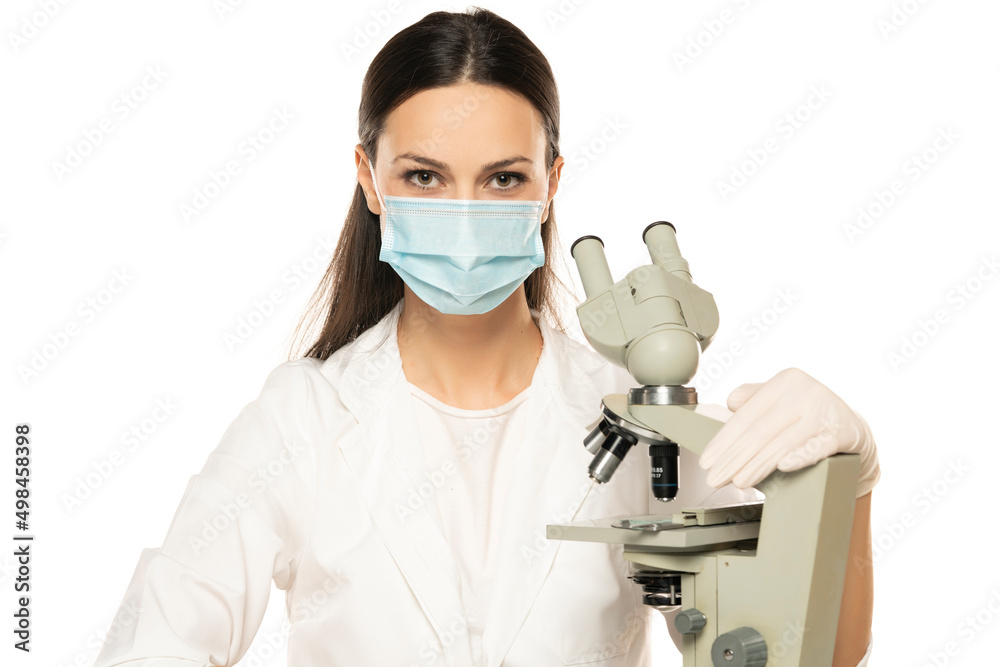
{"type": "Point", "coordinates": [498, 164]}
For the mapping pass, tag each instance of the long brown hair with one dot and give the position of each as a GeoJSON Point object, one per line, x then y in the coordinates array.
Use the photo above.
{"type": "Point", "coordinates": [443, 48]}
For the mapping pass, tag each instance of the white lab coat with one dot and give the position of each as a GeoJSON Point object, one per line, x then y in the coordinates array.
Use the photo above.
{"type": "Point", "coordinates": [319, 485]}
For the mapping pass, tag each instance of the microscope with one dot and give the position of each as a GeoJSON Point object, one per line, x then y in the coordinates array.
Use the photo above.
{"type": "Point", "coordinates": [751, 584]}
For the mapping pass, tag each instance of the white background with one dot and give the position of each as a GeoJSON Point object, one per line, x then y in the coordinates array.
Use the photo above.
{"type": "Point", "coordinates": [647, 136]}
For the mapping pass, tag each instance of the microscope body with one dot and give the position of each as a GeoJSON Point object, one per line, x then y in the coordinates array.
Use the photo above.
{"type": "Point", "coordinates": [751, 584]}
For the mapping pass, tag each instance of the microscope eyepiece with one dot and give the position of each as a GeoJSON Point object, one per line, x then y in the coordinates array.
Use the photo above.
{"type": "Point", "coordinates": [653, 224]}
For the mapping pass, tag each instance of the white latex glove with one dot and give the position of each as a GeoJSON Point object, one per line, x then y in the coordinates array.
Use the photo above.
{"type": "Point", "coordinates": [787, 423]}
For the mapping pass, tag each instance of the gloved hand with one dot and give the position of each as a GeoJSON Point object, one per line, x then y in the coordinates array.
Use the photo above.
{"type": "Point", "coordinates": [787, 423]}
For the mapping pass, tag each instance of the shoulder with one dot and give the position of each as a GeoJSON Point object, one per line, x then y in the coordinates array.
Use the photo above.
{"type": "Point", "coordinates": [271, 432]}
{"type": "Point", "coordinates": [291, 383]}
{"type": "Point", "coordinates": [296, 392]}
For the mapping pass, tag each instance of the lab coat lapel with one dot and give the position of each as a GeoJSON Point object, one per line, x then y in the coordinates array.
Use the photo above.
{"type": "Point", "coordinates": [384, 453]}
{"type": "Point", "coordinates": [548, 484]}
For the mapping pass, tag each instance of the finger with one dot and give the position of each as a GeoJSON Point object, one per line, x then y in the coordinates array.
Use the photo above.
{"type": "Point", "coordinates": [812, 451]}
{"type": "Point", "coordinates": [759, 451]}
{"type": "Point", "coordinates": [767, 460]}
{"type": "Point", "coordinates": [756, 422]}
{"type": "Point", "coordinates": [740, 395]}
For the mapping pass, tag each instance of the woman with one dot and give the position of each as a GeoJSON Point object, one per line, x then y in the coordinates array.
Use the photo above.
{"type": "Point", "coordinates": [396, 481]}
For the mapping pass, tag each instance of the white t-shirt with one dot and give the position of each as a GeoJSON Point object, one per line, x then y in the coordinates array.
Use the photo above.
{"type": "Point", "coordinates": [470, 454]}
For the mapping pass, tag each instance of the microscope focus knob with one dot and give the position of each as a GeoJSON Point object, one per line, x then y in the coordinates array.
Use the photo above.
{"type": "Point", "coordinates": [742, 647]}
{"type": "Point", "coordinates": [689, 621]}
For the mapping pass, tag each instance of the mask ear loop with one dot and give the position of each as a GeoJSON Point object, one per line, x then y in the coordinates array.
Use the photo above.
{"type": "Point", "coordinates": [375, 185]}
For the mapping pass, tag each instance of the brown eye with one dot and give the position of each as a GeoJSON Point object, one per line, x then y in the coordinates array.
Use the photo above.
{"type": "Point", "coordinates": [508, 180]}
{"type": "Point", "coordinates": [421, 178]}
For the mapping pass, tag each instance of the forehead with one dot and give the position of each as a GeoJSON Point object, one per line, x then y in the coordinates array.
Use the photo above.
{"type": "Point", "coordinates": [465, 121]}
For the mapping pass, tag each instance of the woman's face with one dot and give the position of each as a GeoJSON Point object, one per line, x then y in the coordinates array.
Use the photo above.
{"type": "Point", "coordinates": [466, 141]}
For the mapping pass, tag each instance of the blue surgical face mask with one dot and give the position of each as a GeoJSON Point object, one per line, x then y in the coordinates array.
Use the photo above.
{"type": "Point", "coordinates": [461, 256]}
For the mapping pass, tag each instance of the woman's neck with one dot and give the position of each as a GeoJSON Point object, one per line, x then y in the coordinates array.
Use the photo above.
{"type": "Point", "coordinates": [472, 362]}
